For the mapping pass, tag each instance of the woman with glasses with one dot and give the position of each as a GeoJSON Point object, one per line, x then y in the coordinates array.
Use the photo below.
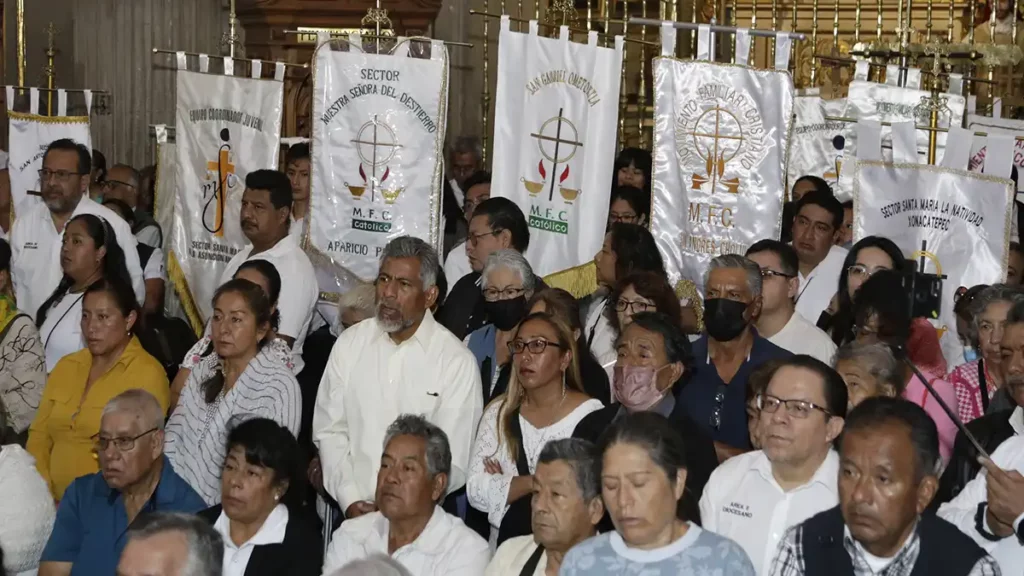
{"type": "Point", "coordinates": [246, 378]}
{"type": "Point", "coordinates": [867, 257]}
{"type": "Point", "coordinates": [629, 205]}
{"type": "Point", "coordinates": [80, 385]}
{"type": "Point", "coordinates": [544, 401]}
{"type": "Point", "coordinates": [881, 314]}
{"type": "Point", "coordinates": [643, 479]}
{"type": "Point", "coordinates": [507, 282]}
{"type": "Point", "coordinates": [260, 515]}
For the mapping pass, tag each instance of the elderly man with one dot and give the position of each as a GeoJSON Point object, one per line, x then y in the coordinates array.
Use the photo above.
{"type": "Point", "coordinates": [889, 454]}
{"type": "Point", "coordinates": [37, 233]}
{"type": "Point", "coordinates": [123, 183]}
{"type": "Point", "coordinates": [753, 498]}
{"type": "Point", "coordinates": [409, 525]}
{"type": "Point", "coordinates": [135, 477]}
{"type": "Point", "coordinates": [726, 355]}
{"type": "Point", "coordinates": [779, 321]}
{"type": "Point", "coordinates": [817, 225]}
{"type": "Point", "coordinates": [168, 544]}
{"type": "Point", "coordinates": [399, 361]}
{"type": "Point", "coordinates": [566, 509]}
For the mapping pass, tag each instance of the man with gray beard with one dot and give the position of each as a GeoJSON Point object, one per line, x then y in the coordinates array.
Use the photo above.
{"type": "Point", "coordinates": [401, 361]}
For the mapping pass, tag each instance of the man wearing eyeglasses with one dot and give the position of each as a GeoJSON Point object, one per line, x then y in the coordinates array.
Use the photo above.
{"type": "Point", "coordinates": [122, 183]}
{"type": "Point", "coordinates": [816, 227]}
{"type": "Point", "coordinates": [37, 232]}
{"type": "Point", "coordinates": [779, 321]}
{"type": "Point", "coordinates": [134, 478]}
{"type": "Point", "coordinates": [755, 497]}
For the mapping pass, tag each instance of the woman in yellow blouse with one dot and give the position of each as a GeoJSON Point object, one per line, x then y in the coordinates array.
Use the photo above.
{"type": "Point", "coordinates": [81, 384]}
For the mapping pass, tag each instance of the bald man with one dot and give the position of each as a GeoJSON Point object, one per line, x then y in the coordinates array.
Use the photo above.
{"type": "Point", "coordinates": [124, 183]}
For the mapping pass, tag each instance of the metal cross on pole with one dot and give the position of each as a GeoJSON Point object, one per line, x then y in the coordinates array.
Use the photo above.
{"type": "Point", "coordinates": [555, 159]}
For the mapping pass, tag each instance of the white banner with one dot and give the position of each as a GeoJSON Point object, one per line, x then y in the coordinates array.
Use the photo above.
{"type": "Point", "coordinates": [958, 222]}
{"type": "Point", "coordinates": [884, 103]}
{"type": "Point", "coordinates": [997, 126]}
{"type": "Point", "coordinates": [378, 135]}
{"type": "Point", "coordinates": [226, 127]}
{"type": "Point", "coordinates": [29, 135]}
{"type": "Point", "coordinates": [721, 134]}
{"type": "Point", "coordinates": [818, 145]}
{"type": "Point", "coordinates": [554, 140]}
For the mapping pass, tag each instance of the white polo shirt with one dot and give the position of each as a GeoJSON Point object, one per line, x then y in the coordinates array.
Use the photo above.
{"type": "Point", "coordinates": [818, 287]}
{"type": "Point", "coordinates": [742, 501]}
{"type": "Point", "coordinates": [35, 252]}
{"type": "Point", "coordinates": [236, 558]}
{"type": "Point", "coordinates": [802, 337]}
{"type": "Point", "coordinates": [445, 547]}
{"type": "Point", "coordinates": [456, 265]}
{"type": "Point", "coordinates": [299, 292]}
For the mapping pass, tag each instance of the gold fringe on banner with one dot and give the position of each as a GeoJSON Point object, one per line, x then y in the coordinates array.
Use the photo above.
{"type": "Point", "coordinates": [177, 277]}
{"type": "Point", "coordinates": [579, 280]}
{"type": "Point", "coordinates": [48, 119]}
{"type": "Point", "coordinates": [688, 290]}
{"type": "Point", "coordinates": [156, 179]}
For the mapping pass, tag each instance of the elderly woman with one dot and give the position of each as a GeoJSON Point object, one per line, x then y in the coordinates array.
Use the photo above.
{"type": "Point", "coordinates": [654, 361]}
{"type": "Point", "coordinates": [507, 283]}
{"type": "Point", "coordinates": [26, 510]}
{"type": "Point", "coordinates": [80, 385]}
{"type": "Point", "coordinates": [562, 305]}
{"type": "Point", "coordinates": [22, 369]}
{"type": "Point", "coordinates": [643, 477]}
{"type": "Point", "coordinates": [869, 370]}
{"type": "Point", "coordinates": [244, 379]}
{"type": "Point", "coordinates": [975, 382]}
{"type": "Point", "coordinates": [544, 401]}
{"type": "Point", "coordinates": [409, 524]}
{"type": "Point", "coordinates": [259, 515]}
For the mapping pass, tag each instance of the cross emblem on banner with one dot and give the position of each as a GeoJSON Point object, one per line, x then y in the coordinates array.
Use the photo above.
{"type": "Point", "coordinates": [715, 146]}
{"type": "Point", "coordinates": [224, 169]}
{"type": "Point", "coordinates": [567, 152]}
{"type": "Point", "coordinates": [378, 150]}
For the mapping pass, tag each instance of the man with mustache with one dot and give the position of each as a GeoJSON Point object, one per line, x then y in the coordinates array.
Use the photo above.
{"type": "Point", "coordinates": [400, 361]}
{"type": "Point", "coordinates": [134, 478]}
{"type": "Point", "coordinates": [410, 525]}
{"type": "Point", "coordinates": [889, 454]}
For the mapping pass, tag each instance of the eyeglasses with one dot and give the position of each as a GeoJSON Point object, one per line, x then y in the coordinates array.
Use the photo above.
{"type": "Point", "coordinates": [534, 346]}
{"type": "Point", "coordinates": [108, 184]}
{"type": "Point", "coordinates": [634, 306]}
{"type": "Point", "coordinates": [627, 217]}
{"type": "Point", "coordinates": [796, 408]}
{"type": "Point", "coordinates": [474, 239]}
{"type": "Point", "coordinates": [766, 273]}
{"type": "Point", "coordinates": [122, 444]}
{"type": "Point", "coordinates": [716, 414]}
{"type": "Point", "coordinates": [862, 271]}
{"type": "Point", "coordinates": [59, 175]}
{"type": "Point", "coordinates": [495, 294]}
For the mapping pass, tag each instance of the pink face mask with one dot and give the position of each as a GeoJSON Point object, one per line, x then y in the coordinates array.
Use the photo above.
{"type": "Point", "coordinates": [636, 387]}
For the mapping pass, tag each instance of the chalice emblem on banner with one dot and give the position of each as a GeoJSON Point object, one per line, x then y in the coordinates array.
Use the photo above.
{"type": "Point", "coordinates": [376, 145]}
{"type": "Point", "coordinates": [558, 141]}
{"type": "Point", "coordinates": [717, 138]}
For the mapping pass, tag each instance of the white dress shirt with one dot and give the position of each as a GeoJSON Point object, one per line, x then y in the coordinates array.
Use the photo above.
{"type": "Point", "coordinates": [295, 229]}
{"type": "Point", "coordinates": [512, 556]}
{"type": "Point", "coordinates": [61, 332]}
{"type": "Point", "coordinates": [743, 501]}
{"type": "Point", "coordinates": [299, 292]}
{"type": "Point", "coordinates": [35, 252]}
{"type": "Point", "coordinates": [802, 337]}
{"type": "Point", "coordinates": [818, 287]}
{"type": "Point", "coordinates": [153, 269]}
{"type": "Point", "coordinates": [446, 547]}
{"type": "Point", "coordinates": [236, 558]}
{"type": "Point", "coordinates": [962, 510]}
{"type": "Point", "coordinates": [456, 265]}
{"type": "Point", "coordinates": [370, 381]}
{"type": "Point", "coordinates": [601, 336]}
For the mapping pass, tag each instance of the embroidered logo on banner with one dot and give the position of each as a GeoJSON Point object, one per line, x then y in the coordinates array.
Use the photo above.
{"type": "Point", "coordinates": [218, 182]}
{"type": "Point", "coordinates": [558, 142]}
{"type": "Point", "coordinates": [376, 144]}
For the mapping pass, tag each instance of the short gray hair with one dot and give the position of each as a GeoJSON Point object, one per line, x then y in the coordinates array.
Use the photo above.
{"type": "Point", "coordinates": [359, 298]}
{"type": "Point", "coordinates": [514, 261]}
{"type": "Point", "coordinates": [205, 545]}
{"type": "Point", "coordinates": [877, 359]}
{"type": "Point", "coordinates": [736, 261]}
{"type": "Point", "coordinates": [412, 247]}
{"type": "Point", "coordinates": [581, 456]}
{"type": "Point", "coordinates": [469, 145]}
{"type": "Point", "coordinates": [439, 453]}
{"type": "Point", "coordinates": [988, 296]}
{"type": "Point", "coordinates": [139, 402]}
{"type": "Point", "coordinates": [375, 565]}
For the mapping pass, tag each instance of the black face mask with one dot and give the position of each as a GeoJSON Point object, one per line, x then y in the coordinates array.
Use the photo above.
{"type": "Point", "coordinates": [723, 318]}
{"type": "Point", "coordinates": [505, 314]}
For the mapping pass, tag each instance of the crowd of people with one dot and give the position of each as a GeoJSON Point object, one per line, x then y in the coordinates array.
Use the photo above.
{"type": "Point", "coordinates": [458, 416]}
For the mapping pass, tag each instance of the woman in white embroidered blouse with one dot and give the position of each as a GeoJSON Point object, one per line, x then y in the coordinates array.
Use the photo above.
{"type": "Point", "coordinates": [544, 402]}
{"type": "Point", "coordinates": [244, 379]}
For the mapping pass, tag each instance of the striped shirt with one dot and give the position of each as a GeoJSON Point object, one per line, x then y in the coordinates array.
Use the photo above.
{"type": "Point", "coordinates": [197, 432]}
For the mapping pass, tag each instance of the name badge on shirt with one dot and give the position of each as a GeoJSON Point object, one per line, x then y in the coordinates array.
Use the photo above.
{"type": "Point", "coordinates": [737, 509]}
